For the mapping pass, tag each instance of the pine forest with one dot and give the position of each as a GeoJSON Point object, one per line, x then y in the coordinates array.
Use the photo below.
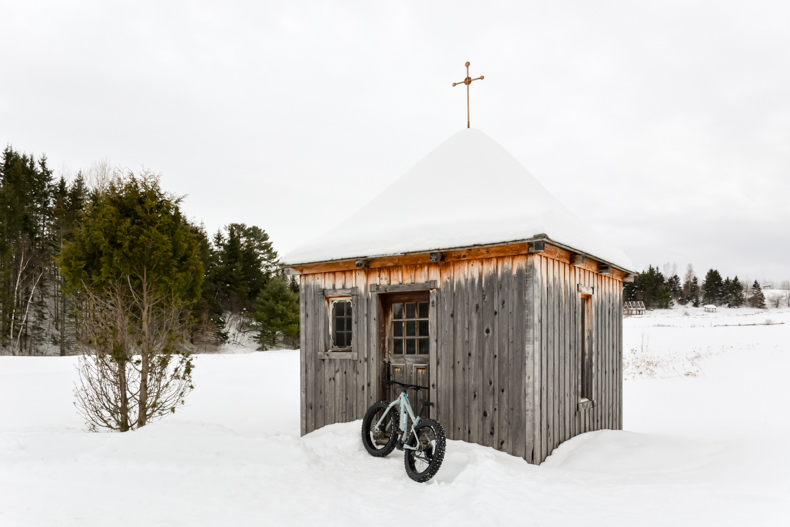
{"type": "Point", "coordinates": [51, 263]}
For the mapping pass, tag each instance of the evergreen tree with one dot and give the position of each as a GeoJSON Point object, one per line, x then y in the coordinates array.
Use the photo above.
{"type": "Point", "coordinates": [134, 260]}
{"type": "Point", "coordinates": [245, 261]}
{"type": "Point", "coordinates": [259, 258]}
{"type": "Point", "coordinates": [663, 300]}
{"type": "Point", "coordinates": [26, 210]}
{"type": "Point", "coordinates": [208, 315]}
{"type": "Point", "coordinates": [277, 314]}
{"type": "Point", "coordinates": [694, 292]}
{"type": "Point", "coordinates": [687, 279]}
{"type": "Point", "coordinates": [649, 287]}
{"type": "Point", "coordinates": [293, 284]}
{"type": "Point", "coordinates": [713, 288]}
{"type": "Point", "coordinates": [756, 297]}
{"type": "Point", "coordinates": [735, 294]}
{"type": "Point", "coordinates": [726, 289]}
{"type": "Point", "coordinates": [674, 288]}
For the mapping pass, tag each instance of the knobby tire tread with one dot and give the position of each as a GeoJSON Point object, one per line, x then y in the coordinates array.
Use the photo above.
{"type": "Point", "coordinates": [367, 422]}
{"type": "Point", "coordinates": [438, 455]}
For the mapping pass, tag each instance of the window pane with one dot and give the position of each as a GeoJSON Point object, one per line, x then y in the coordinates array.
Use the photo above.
{"type": "Point", "coordinates": [424, 328]}
{"type": "Point", "coordinates": [411, 310]}
{"type": "Point", "coordinates": [411, 346]}
{"type": "Point", "coordinates": [340, 309]}
{"type": "Point", "coordinates": [340, 340]}
{"type": "Point", "coordinates": [397, 329]}
{"type": "Point", "coordinates": [397, 311]}
{"type": "Point", "coordinates": [348, 324]}
{"type": "Point", "coordinates": [339, 325]}
{"type": "Point", "coordinates": [398, 347]}
{"type": "Point", "coordinates": [411, 328]}
{"type": "Point", "coordinates": [423, 309]}
{"type": "Point", "coordinates": [425, 346]}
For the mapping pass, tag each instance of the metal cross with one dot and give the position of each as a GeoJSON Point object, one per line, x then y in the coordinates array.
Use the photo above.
{"type": "Point", "coordinates": [468, 80]}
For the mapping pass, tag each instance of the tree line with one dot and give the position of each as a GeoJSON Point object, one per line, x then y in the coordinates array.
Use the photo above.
{"type": "Point", "coordinates": [240, 288]}
{"type": "Point", "coordinates": [659, 291]}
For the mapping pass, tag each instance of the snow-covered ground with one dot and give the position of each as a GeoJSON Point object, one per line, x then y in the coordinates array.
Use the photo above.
{"type": "Point", "coordinates": [705, 443]}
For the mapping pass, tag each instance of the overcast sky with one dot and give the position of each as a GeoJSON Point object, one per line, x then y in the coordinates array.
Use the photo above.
{"type": "Point", "coordinates": [666, 124]}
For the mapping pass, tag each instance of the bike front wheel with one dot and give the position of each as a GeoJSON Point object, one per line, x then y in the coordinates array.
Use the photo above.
{"type": "Point", "coordinates": [423, 463]}
{"type": "Point", "coordinates": [379, 442]}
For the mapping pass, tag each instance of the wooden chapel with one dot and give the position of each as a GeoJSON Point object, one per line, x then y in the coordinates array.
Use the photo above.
{"type": "Point", "coordinates": [466, 276]}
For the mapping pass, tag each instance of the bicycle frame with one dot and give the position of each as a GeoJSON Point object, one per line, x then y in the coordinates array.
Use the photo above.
{"type": "Point", "coordinates": [406, 412]}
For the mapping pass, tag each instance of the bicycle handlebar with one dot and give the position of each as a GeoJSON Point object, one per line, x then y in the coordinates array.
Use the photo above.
{"type": "Point", "coordinates": [403, 384]}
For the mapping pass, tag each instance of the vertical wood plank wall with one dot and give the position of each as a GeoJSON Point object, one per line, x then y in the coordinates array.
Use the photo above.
{"type": "Point", "coordinates": [556, 328]}
{"type": "Point", "coordinates": [505, 372]}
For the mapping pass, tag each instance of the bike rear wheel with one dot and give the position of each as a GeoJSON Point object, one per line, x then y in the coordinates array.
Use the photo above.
{"type": "Point", "coordinates": [423, 464]}
{"type": "Point", "coordinates": [379, 442]}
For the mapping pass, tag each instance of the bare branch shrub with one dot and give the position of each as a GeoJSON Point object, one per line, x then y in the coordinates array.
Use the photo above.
{"type": "Point", "coordinates": [136, 369]}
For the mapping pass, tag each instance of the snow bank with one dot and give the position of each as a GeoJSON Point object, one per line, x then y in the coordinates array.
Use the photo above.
{"type": "Point", "coordinates": [468, 191]}
{"type": "Point", "coordinates": [706, 450]}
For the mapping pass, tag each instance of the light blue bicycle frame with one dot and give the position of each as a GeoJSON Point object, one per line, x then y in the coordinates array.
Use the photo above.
{"type": "Point", "coordinates": [405, 412]}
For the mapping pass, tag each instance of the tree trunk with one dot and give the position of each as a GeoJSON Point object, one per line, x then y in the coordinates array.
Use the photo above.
{"type": "Point", "coordinates": [123, 420]}
{"type": "Point", "coordinates": [23, 321]}
{"type": "Point", "coordinates": [145, 355]}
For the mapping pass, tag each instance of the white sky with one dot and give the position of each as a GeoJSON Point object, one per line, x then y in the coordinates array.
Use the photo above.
{"type": "Point", "coordinates": [666, 124]}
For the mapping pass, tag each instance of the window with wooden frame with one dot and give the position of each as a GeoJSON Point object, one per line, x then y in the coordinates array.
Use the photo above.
{"type": "Point", "coordinates": [340, 323]}
{"type": "Point", "coordinates": [586, 351]}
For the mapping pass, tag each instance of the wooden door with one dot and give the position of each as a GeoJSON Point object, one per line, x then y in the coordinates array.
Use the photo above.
{"type": "Point", "coordinates": [407, 344]}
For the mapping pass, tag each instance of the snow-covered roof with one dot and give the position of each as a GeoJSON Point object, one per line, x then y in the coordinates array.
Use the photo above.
{"type": "Point", "coordinates": [467, 192]}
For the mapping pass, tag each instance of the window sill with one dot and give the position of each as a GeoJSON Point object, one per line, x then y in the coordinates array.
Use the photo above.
{"type": "Point", "coordinates": [585, 404]}
{"type": "Point", "coordinates": [347, 355]}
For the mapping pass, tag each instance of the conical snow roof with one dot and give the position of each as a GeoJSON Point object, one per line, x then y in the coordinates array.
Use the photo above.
{"type": "Point", "coordinates": [468, 192]}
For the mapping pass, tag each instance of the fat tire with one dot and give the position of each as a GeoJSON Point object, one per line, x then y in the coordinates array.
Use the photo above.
{"type": "Point", "coordinates": [436, 458]}
{"type": "Point", "coordinates": [367, 423]}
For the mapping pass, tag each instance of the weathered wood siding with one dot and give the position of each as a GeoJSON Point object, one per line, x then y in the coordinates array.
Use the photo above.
{"type": "Point", "coordinates": [477, 371]}
{"type": "Point", "coordinates": [504, 366]}
{"type": "Point", "coordinates": [556, 328]}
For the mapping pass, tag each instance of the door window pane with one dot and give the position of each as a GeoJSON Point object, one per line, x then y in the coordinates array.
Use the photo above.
{"type": "Point", "coordinates": [410, 328]}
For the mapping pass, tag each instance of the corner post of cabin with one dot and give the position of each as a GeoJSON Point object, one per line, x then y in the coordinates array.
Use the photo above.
{"type": "Point", "coordinates": [303, 323]}
{"type": "Point", "coordinates": [530, 346]}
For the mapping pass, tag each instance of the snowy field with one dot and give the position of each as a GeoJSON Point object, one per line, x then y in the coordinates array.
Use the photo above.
{"type": "Point", "coordinates": [705, 443]}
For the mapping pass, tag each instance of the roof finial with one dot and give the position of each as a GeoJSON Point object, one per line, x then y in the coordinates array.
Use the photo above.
{"type": "Point", "coordinates": [468, 80]}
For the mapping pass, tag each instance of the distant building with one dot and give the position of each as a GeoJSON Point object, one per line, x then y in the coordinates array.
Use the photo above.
{"type": "Point", "coordinates": [635, 307]}
{"type": "Point", "coordinates": [710, 308]}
